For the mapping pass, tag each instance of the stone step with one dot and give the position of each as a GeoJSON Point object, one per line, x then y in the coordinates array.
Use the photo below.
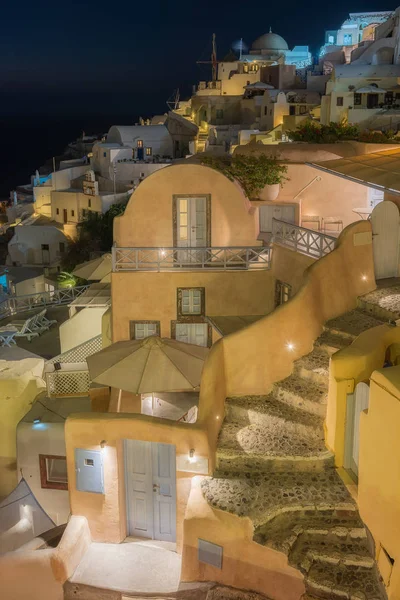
{"type": "Point", "coordinates": [282, 532]}
{"type": "Point", "coordinates": [313, 366]}
{"type": "Point", "coordinates": [302, 393]}
{"type": "Point", "coordinates": [309, 549]}
{"type": "Point", "coordinates": [277, 446]}
{"type": "Point", "coordinates": [344, 582]}
{"type": "Point", "coordinates": [332, 342]}
{"type": "Point", "coordinates": [262, 497]}
{"type": "Point", "coordinates": [352, 323]}
{"type": "Point", "coordinates": [269, 410]}
{"type": "Point", "coordinates": [383, 303]}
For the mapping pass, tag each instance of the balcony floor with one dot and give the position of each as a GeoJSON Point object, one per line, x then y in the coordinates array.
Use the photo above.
{"type": "Point", "coordinates": [46, 345]}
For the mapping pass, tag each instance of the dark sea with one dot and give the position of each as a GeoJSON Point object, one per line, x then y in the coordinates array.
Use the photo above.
{"type": "Point", "coordinates": [27, 142]}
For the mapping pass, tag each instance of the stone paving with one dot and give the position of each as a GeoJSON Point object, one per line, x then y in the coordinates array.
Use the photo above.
{"type": "Point", "coordinates": [273, 467]}
{"type": "Point", "coordinates": [383, 301]}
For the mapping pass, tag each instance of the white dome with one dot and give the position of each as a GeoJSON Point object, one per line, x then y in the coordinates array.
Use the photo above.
{"type": "Point", "coordinates": [270, 41]}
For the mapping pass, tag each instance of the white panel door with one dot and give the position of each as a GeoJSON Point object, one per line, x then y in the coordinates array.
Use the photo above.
{"type": "Point", "coordinates": [139, 489]}
{"type": "Point", "coordinates": [164, 492]}
{"type": "Point", "coordinates": [192, 333]}
{"type": "Point", "coordinates": [385, 221]}
{"type": "Point", "coordinates": [374, 197]}
{"type": "Point", "coordinates": [150, 475]}
{"type": "Point", "coordinates": [361, 402]}
{"type": "Point", "coordinates": [280, 212]}
{"type": "Point", "coordinates": [192, 222]}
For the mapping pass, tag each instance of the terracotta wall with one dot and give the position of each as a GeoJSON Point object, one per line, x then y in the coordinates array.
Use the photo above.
{"type": "Point", "coordinates": [106, 514]}
{"type": "Point", "coordinates": [349, 367]}
{"type": "Point", "coordinates": [153, 296]}
{"type": "Point", "coordinates": [147, 221]}
{"type": "Point", "coordinates": [379, 473]}
{"type": "Point", "coordinates": [264, 352]}
{"type": "Point", "coordinates": [290, 266]}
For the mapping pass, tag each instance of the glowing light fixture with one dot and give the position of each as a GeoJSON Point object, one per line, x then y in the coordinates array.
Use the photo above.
{"type": "Point", "coordinates": [37, 421]}
{"type": "Point", "coordinates": [364, 277]}
{"type": "Point", "coordinates": [162, 252]}
{"type": "Point", "coordinates": [290, 346]}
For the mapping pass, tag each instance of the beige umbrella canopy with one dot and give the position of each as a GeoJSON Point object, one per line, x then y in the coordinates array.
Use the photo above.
{"type": "Point", "coordinates": [95, 269]}
{"type": "Point", "coordinates": [149, 365]}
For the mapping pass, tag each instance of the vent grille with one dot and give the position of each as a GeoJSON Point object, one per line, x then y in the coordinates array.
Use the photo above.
{"type": "Point", "coordinates": [209, 553]}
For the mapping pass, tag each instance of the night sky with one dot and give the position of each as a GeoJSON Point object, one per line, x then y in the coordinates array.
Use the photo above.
{"type": "Point", "coordinates": [87, 57]}
{"type": "Point", "coordinates": [71, 66]}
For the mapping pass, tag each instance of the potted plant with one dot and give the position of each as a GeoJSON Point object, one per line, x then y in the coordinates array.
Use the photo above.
{"type": "Point", "coordinates": [260, 176]}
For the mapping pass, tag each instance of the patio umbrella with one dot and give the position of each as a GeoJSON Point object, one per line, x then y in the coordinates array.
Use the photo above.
{"type": "Point", "coordinates": [149, 365]}
{"type": "Point", "coordinates": [96, 269]}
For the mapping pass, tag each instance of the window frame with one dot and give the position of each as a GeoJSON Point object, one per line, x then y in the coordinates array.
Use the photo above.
{"type": "Point", "coordinates": [179, 302]}
{"type": "Point", "coordinates": [339, 100]}
{"type": "Point", "coordinates": [72, 213]}
{"type": "Point", "coordinates": [44, 482]}
{"type": "Point", "coordinates": [357, 99]}
{"type": "Point", "coordinates": [132, 323]}
{"type": "Point", "coordinates": [139, 144]}
{"type": "Point", "coordinates": [149, 151]}
{"type": "Point", "coordinates": [192, 321]}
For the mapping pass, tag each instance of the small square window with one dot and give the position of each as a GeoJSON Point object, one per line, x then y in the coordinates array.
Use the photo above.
{"type": "Point", "coordinates": [53, 472]}
{"type": "Point", "coordinates": [190, 301]}
{"type": "Point", "coordinates": [72, 213]}
{"type": "Point", "coordinates": [339, 101]}
{"type": "Point", "coordinates": [139, 330]}
{"type": "Point", "coordinates": [149, 151]}
{"type": "Point", "coordinates": [105, 154]}
{"type": "Point", "coordinates": [357, 99]}
{"type": "Point", "coordinates": [140, 143]}
{"type": "Point", "coordinates": [62, 247]}
{"type": "Point", "coordinates": [89, 202]}
{"type": "Point", "coordinates": [57, 211]}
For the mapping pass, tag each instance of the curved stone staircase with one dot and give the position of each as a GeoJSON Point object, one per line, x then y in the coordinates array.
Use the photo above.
{"type": "Point", "coordinates": [273, 466]}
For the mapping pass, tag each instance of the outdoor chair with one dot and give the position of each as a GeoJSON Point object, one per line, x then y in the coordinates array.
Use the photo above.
{"type": "Point", "coordinates": [315, 220]}
{"type": "Point", "coordinates": [26, 328]}
{"type": "Point", "coordinates": [7, 334]}
{"type": "Point", "coordinates": [332, 221]}
{"type": "Point", "coordinates": [43, 321]}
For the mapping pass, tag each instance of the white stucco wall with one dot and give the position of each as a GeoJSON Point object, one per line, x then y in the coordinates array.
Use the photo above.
{"type": "Point", "coordinates": [32, 440]}
{"type": "Point", "coordinates": [25, 247]}
{"type": "Point", "coordinates": [83, 326]}
{"type": "Point", "coordinates": [30, 286]}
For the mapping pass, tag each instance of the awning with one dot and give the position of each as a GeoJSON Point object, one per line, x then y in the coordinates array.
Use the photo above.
{"type": "Point", "coordinates": [370, 89]}
{"type": "Point", "coordinates": [94, 269]}
{"type": "Point", "coordinates": [379, 170]}
{"type": "Point", "coordinates": [227, 325]}
{"type": "Point", "coordinates": [98, 294]}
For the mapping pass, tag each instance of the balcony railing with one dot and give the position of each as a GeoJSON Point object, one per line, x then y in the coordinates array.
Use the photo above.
{"type": "Point", "coordinates": [17, 304]}
{"type": "Point", "coordinates": [306, 241]}
{"type": "Point", "coordinates": [220, 258]}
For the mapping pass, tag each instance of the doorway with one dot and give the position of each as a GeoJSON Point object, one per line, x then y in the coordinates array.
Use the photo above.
{"type": "Point", "coordinates": [372, 100]}
{"type": "Point", "coordinates": [150, 477]}
{"type": "Point", "coordinates": [65, 213]}
{"type": "Point", "coordinates": [192, 228]}
{"type": "Point", "coordinates": [281, 212]}
{"type": "Point", "coordinates": [385, 220]}
{"type": "Point", "coordinates": [356, 403]}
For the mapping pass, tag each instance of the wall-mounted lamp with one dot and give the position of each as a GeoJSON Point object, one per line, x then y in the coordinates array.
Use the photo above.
{"type": "Point", "coordinates": [364, 277]}
{"type": "Point", "coordinates": [290, 346]}
{"type": "Point", "coordinates": [217, 417]}
{"type": "Point", "coordinates": [192, 457]}
{"type": "Point", "coordinates": [103, 443]}
{"type": "Point", "coordinates": [37, 421]}
{"type": "Point", "coordinates": [162, 252]}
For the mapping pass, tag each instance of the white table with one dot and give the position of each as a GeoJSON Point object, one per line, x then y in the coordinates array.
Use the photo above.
{"type": "Point", "coordinates": [7, 334]}
{"type": "Point", "coordinates": [363, 212]}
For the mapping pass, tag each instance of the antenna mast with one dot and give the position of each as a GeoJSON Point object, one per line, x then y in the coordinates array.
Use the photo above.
{"type": "Point", "coordinates": [214, 58]}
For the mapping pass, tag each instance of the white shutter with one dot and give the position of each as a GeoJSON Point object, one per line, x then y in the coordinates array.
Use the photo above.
{"type": "Point", "coordinates": [191, 302]}
{"type": "Point", "coordinates": [144, 330]}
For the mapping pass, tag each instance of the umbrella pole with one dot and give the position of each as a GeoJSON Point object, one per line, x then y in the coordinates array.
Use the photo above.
{"type": "Point", "coordinates": [119, 401]}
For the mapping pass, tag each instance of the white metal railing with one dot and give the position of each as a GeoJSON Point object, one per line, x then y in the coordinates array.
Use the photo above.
{"type": "Point", "coordinates": [306, 241]}
{"type": "Point", "coordinates": [17, 304]}
{"type": "Point", "coordinates": [221, 258]}
{"type": "Point", "coordinates": [68, 383]}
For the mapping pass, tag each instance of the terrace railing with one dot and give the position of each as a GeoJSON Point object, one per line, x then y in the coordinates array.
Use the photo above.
{"type": "Point", "coordinates": [216, 258]}
{"type": "Point", "coordinates": [17, 304]}
{"type": "Point", "coordinates": [68, 383]}
{"type": "Point", "coordinates": [306, 241]}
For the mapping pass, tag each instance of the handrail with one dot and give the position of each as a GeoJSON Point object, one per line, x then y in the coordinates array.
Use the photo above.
{"type": "Point", "coordinates": [300, 239]}
{"type": "Point", "coordinates": [17, 304]}
{"type": "Point", "coordinates": [222, 258]}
